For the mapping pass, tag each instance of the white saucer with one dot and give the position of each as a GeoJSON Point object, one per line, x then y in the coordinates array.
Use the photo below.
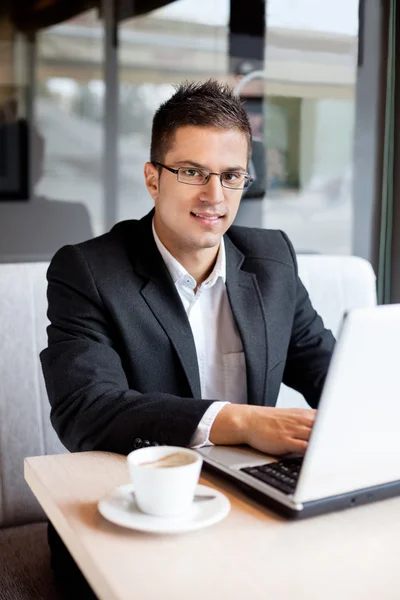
{"type": "Point", "coordinates": [121, 508]}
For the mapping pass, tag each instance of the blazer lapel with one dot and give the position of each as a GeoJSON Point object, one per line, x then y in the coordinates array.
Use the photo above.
{"type": "Point", "coordinates": [162, 298]}
{"type": "Point", "coordinates": [248, 310]}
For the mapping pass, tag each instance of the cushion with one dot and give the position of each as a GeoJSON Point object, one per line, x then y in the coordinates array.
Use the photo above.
{"type": "Point", "coordinates": [335, 284]}
{"type": "Point", "coordinates": [25, 428]}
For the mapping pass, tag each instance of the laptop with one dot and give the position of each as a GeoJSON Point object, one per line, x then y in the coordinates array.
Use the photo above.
{"type": "Point", "coordinates": [353, 454]}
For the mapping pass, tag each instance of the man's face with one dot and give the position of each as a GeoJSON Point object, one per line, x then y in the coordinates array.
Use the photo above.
{"type": "Point", "coordinates": [181, 210]}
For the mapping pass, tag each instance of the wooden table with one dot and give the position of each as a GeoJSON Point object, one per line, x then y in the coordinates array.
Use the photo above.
{"type": "Point", "coordinates": [252, 554]}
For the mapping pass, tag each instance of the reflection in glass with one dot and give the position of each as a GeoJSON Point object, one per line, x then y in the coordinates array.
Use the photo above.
{"type": "Point", "coordinates": [311, 68]}
{"type": "Point", "coordinates": [69, 109]}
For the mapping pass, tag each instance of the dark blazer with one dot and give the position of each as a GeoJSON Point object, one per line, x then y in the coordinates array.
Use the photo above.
{"type": "Point", "coordinates": [121, 367]}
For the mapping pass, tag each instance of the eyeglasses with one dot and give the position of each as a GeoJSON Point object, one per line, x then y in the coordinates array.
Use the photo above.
{"type": "Point", "coordinates": [233, 180]}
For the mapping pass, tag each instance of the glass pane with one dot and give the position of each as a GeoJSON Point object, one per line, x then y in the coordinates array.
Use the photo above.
{"type": "Point", "coordinates": [69, 109]}
{"type": "Point", "coordinates": [311, 69]}
{"type": "Point", "coordinates": [300, 97]}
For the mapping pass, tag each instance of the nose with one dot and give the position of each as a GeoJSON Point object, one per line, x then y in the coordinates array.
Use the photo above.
{"type": "Point", "coordinates": [213, 191]}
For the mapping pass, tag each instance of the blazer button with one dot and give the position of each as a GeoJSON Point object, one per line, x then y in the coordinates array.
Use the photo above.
{"type": "Point", "coordinates": [137, 443]}
{"type": "Point", "coordinates": [146, 444]}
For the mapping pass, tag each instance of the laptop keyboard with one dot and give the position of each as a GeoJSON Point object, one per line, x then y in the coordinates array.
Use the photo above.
{"type": "Point", "coordinates": [282, 475]}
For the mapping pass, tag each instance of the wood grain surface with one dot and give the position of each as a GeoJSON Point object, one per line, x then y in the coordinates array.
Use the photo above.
{"type": "Point", "coordinates": [252, 554]}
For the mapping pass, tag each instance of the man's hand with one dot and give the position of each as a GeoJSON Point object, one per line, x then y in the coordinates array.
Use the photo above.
{"type": "Point", "coordinates": [271, 430]}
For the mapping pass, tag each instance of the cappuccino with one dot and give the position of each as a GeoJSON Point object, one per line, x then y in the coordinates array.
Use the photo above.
{"type": "Point", "coordinates": [177, 459]}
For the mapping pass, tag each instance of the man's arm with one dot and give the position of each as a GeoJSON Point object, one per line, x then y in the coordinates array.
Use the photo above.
{"type": "Point", "coordinates": [93, 407]}
{"type": "Point", "coordinates": [275, 430]}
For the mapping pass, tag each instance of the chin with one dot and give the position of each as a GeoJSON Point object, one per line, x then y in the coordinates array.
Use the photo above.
{"type": "Point", "coordinates": [209, 240]}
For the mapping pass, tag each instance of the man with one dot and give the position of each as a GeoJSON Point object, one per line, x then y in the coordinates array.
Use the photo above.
{"type": "Point", "coordinates": [179, 329]}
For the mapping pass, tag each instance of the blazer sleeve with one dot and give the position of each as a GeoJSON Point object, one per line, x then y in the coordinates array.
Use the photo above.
{"type": "Point", "coordinates": [92, 406]}
{"type": "Point", "coordinates": [310, 348]}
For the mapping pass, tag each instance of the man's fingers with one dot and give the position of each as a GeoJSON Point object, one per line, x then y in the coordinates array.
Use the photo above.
{"type": "Point", "coordinates": [303, 416]}
{"type": "Point", "coordinates": [309, 423]}
{"type": "Point", "coordinates": [302, 433]}
{"type": "Point", "coordinates": [299, 446]}
{"type": "Point", "coordinates": [307, 420]}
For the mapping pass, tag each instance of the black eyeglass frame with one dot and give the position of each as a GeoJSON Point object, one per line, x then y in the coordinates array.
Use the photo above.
{"type": "Point", "coordinates": [176, 172]}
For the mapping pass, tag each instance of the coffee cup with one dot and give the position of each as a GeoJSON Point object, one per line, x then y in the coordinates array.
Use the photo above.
{"type": "Point", "coordinates": [164, 479]}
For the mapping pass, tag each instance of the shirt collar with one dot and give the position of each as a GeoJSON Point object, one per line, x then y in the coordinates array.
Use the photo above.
{"type": "Point", "coordinates": [178, 272]}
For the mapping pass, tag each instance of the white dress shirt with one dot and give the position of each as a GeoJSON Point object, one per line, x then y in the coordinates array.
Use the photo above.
{"type": "Point", "coordinates": [218, 344]}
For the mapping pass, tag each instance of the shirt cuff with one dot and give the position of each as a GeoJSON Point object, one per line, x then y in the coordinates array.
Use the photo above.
{"type": "Point", "coordinates": [200, 436]}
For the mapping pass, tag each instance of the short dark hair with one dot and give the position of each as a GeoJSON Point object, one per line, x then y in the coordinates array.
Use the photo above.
{"type": "Point", "coordinates": [206, 104]}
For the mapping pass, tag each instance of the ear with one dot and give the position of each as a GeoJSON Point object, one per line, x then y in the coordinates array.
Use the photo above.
{"type": "Point", "coordinates": [151, 177]}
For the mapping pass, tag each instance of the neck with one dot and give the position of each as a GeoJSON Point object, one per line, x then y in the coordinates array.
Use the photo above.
{"type": "Point", "coordinates": [198, 263]}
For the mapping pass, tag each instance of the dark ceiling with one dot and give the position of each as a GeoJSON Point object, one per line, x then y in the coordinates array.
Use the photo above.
{"type": "Point", "coordinates": [31, 15]}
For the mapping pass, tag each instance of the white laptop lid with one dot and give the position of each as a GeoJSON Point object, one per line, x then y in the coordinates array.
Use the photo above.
{"type": "Point", "coordinates": [355, 442]}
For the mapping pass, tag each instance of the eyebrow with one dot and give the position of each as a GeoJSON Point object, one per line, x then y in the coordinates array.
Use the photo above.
{"type": "Point", "coordinates": [199, 166]}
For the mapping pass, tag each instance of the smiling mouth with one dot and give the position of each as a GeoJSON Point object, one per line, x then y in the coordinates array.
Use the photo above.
{"type": "Point", "coordinates": [206, 217]}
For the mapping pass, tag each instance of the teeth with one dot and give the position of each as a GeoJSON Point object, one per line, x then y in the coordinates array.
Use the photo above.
{"type": "Point", "coordinates": [207, 217]}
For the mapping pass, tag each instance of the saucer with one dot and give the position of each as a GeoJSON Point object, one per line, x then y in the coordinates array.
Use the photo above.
{"type": "Point", "coordinates": [120, 508]}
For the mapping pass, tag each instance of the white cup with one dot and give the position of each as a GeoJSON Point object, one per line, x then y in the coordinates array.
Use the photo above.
{"type": "Point", "coordinates": [164, 491]}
